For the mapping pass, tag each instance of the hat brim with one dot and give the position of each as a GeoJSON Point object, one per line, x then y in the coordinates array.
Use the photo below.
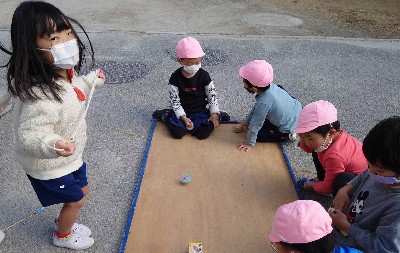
{"type": "Point", "coordinates": [301, 130]}
{"type": "Point", "coordinates": [241, 73]}
{"type": "Point", "coordinates": [273, 237]}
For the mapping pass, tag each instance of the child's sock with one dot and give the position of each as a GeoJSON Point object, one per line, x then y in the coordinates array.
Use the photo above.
{"type": "Point", "coordinates": [61, 236]}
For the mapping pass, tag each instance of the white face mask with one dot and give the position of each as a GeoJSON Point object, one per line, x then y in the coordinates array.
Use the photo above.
{"type": "Point", "coordinates": [324, 147]}
{"type": "Point", "coordinates": [192, 69]}
{"type": "Point", "coordinates": [65, 55]}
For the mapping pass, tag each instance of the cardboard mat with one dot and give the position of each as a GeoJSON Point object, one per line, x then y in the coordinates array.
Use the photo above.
{"type": "Point", "coordinates": [228, 205]}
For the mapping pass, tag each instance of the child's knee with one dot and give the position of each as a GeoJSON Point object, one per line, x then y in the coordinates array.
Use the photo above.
{"type": "Point", "coordinates": [85, 190]}
{"type": "Point", "coordinates": [78, 204]}
{"type": "Point", "coordinates": [204, 131]}
{"type": "Point", "coordinates": [178, 135]}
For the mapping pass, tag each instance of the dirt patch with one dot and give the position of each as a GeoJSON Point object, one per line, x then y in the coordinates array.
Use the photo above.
{"type": "Point", "coordinates": [368, 18]}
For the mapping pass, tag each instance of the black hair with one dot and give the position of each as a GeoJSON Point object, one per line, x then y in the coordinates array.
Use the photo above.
{"type": "Point", "coordinates": [324, 129]}
{"type": "Point", "coordinates": [262, 89]}
{"type": "Point", "coordinates": [26, 70]}
{"type": "Point", "coordinates": [325, 244]}
{"type": "Point", "coordinates": [381, 146]}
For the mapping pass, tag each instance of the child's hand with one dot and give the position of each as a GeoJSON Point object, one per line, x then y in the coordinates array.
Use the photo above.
{"type": "Point", "coordinates": [339, 220]}
{"type": "Point", "coordinates": [309, 185]}
{"type": "Point", "coordinates": [341, 200]}
{"type": "Point", "coordinates": [243, 146]}
{"type": "Point", "coordinates": [100, 74]}
{"type": "Point", "coordinates": [214, 118]}
{"type": "Point", "coordinates": [188, 123]}
{"type": "Point", "coordinates": [65, 148]}
{"type": "Point", "coordinates": [240, 127]}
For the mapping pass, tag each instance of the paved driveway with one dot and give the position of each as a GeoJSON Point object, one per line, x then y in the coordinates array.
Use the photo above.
{"type": "Point", "coordinates": [134, 42]}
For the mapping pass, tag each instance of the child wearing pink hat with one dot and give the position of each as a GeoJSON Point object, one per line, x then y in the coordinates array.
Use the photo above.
{"type": "Point", "coordinates": [367, 209]}
{"type": "Point", "coordinates": [275, 112]}
{"type": "Point", "coordinates": [337, 156]}
{"type": "Point", "coordinates": [192, 95]}
{"type": "Point", "coordinates": [303, 226]}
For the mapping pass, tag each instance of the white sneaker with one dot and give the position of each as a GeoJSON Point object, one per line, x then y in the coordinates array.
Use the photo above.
{"type": "Point", "coordinates": [77, 228]}
{"type": "Point", "coordinates": [293, 137]}
{"type": "Point", "coordinates": [73, 241]}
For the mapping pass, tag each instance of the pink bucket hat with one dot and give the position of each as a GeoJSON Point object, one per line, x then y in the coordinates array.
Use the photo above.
{"type": "Point", "coordinates": [258, 72]}
{"type": "Point", "coordinates": [316, 114]}
{"type": "Point", "coordinates": [301, 221]}
{"type": "Point", "coordinates": [189, 47]}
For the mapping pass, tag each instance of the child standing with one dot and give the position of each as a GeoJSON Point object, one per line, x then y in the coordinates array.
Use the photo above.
{"type": "Point", "coordinates": [337, 156]}
{"type": "Point", "coordinates": [275, 113]}
{"type": "Point", "coordinates": [192, 95]}
{"type": "Point", "coordinates": [49, 104]}
{"type": "Point", "coordinates": [367, 209]}
{"type": "Point", "coordinates": [304, 226]}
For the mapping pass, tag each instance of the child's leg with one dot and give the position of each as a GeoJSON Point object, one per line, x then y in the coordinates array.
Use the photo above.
{"type": "Point", "coordinates": [70, 211]}
{"type": "Point", "coordinates": [68, 215]}
{"type": "Point", "coordinates": [318, 167]}
{"type": "Point", "coordinates": [176, 131]}
{"type": "Point", "coordinates": [270, 133]}
{"type": "Point", "coordinates": [204, 131]}
{"type": "Point", "coordinates": [341, 180]}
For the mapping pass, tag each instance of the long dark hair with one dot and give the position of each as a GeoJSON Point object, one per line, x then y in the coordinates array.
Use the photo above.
{"type": "Point", "coordinates": [26, 70]}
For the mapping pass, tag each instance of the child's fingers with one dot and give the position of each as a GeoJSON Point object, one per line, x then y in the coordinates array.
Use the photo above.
{"type": "Point", "coordinates": [65, 149]}
{"type": "Point", "coordinates": [215, 122]}
{"type": "Point", "coordinates": [100, 74]}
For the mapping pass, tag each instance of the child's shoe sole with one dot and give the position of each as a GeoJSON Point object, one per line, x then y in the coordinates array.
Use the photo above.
{"type": "Point", "coordinates": [160, 114]}
{"type": "Point", "coordinates": [73, 241]}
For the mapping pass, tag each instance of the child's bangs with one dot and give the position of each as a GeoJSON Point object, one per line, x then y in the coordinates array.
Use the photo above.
{"type": "Point", "coordinates": [55, 22]}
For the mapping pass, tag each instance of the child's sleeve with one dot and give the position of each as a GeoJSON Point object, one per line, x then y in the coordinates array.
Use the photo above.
{"type": "Point", "coordinates": [36, 130]}
{"type": "Point", "coordinates": [212, 97]}
{"type": "Point", "coordinates": [260, 111]}
{"type": "Point", "coordinates": [385, 239]}
{"type": "Point", "coordinates": [355, 182]}
{"type": "Point", "coordinates": [88, 81]}
{"type": "Point", "coordinates": [250, 114]}
{"type": "Point", "coordinates": [175, 101]}
{"type": "Point", "coordinates": [333, 165]}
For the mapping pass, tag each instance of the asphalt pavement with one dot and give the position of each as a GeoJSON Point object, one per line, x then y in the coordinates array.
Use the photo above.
{"type": "Point", "coordinates": [134, 43]}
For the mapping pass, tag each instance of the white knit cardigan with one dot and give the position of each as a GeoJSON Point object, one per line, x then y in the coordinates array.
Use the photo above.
{"type": "Point", "coordinates": [45, 121]}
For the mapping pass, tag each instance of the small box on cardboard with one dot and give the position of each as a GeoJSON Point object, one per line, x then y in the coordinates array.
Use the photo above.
{"type": "Point", "coordinates": [195, 247]}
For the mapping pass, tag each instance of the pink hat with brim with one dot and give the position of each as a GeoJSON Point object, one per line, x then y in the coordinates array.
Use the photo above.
{"type": "Point", "coordinates": [189, 47]}
{"type": "Point", "coordinates": [258, 72]}
{"type": "Point", "coordinates": [301, 221]}
{"type": "Point", "coordinates": [316, 114]}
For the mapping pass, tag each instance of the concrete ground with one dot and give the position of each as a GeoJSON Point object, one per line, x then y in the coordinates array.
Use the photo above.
{"type": "Point", "coordinates": [134, 42]}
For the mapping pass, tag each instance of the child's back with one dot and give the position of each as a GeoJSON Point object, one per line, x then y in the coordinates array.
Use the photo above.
{"type": "Point", "coordinates": [282, 109]}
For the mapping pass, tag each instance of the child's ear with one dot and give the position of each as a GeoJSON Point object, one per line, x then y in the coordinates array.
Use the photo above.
{"type": "Point", "coordinates": [332, 131]}
{"type": "Point", "coordinates": [179, 60]}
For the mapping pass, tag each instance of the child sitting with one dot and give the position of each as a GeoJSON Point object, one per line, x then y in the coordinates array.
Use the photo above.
{"type": "Point", "coordinates": [367, 209]}
{"type": "Point", "coordinates": [275, 112]}
{"type": "Point", "coordinates": [304, 226]}
{"type": "Point", "coordinates": [337, 156]}
{"type": "Point", "coordinates": [192, 95]}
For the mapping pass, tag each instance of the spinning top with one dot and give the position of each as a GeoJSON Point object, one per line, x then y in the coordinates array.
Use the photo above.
{"type": "Point", "coordinates": [185, 178]}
